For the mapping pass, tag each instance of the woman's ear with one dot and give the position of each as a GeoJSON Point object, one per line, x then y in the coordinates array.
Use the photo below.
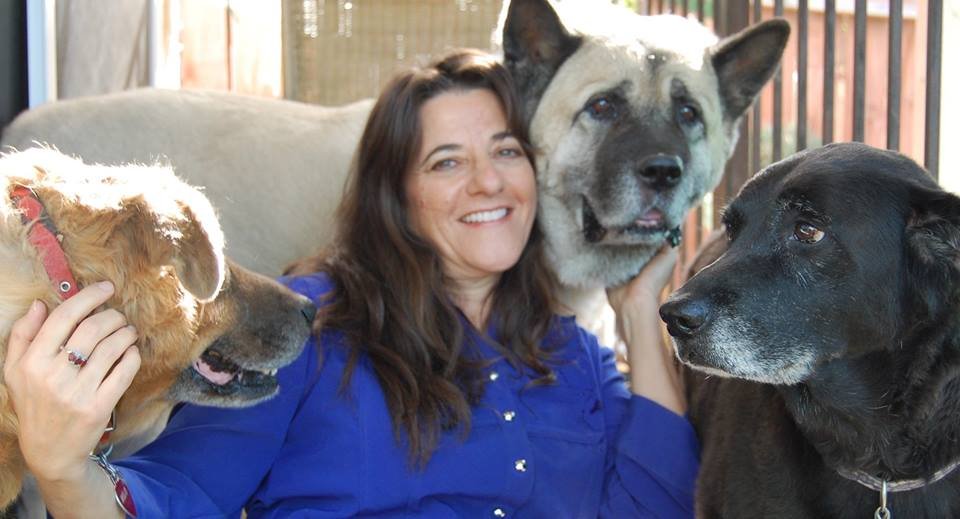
{"type": "Point", "coordinates": [932, 240]}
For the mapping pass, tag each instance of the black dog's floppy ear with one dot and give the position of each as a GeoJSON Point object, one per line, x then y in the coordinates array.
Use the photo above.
{"type": "Point", "coordinates": [535, 44]}
{"type": "Point", "coordinates": [933, 248]}
{"type": "Point", "coordinates": [745, 61]}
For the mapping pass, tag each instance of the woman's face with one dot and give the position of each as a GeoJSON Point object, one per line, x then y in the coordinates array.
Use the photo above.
{"type": "Point", "coordinates": [471, 189]}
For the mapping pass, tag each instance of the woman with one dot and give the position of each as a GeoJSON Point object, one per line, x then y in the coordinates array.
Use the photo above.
{"type": "Point", "coordinates": [440, 383]}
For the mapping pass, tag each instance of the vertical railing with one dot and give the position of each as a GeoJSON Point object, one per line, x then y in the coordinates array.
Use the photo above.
{"type": "Point", "coordinates": [803, 16]}
{"type": "Point", "coordinates": [829, 58]}
{"type": "Point", "coordinates": [859, 69]}
{"type": "Point", "coordinates": [777, 99]}
{"type": "Point", "coordinates": [893, 75]}
{"type": "Point", "coordinates": [931, 152]}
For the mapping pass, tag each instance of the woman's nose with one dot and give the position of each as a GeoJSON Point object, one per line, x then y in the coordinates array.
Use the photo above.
{"type": "Point", "coordinates": [487, 179]}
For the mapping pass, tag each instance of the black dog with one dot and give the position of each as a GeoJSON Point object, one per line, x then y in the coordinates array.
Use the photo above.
{"type": "Point", "coordinates": [832, 323]}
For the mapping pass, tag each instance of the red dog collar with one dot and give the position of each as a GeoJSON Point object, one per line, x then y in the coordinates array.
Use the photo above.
{"type": "Point", "coordinates": [46, 239]}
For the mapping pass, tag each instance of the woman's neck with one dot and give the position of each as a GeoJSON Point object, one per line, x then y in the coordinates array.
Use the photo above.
{"type": "Point", "coordinates": [473, 297]}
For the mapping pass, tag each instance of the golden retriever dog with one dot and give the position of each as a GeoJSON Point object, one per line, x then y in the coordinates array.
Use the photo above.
{"type": "Point", "coordinates": [210, 333]}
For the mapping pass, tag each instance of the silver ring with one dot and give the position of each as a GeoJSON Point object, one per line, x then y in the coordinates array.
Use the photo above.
{"type": "Point", "coordinates": [76, 358]}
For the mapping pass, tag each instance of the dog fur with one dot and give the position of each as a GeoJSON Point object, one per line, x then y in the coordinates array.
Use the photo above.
{"type": "Point", "coordinates": [158, 240]}
{"type": "Point", "coordinates": [829, 333]}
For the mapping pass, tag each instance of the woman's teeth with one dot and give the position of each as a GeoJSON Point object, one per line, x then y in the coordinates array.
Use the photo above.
{"type": "Point", "coordinates": [485, 216]}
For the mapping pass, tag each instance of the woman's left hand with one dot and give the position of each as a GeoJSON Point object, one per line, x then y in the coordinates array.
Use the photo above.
{"type": "Point", "coordinates": [653, 369]}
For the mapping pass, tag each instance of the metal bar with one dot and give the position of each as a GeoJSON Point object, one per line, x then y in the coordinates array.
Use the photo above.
{"type": "Point", "coordinates": [894, 75]}
{"type": "Point", "coordinates": [756, 122]}
{"type": "Point", "coordinates": [803, 17]}
{"type": "Point", "coordinates": [859, 69]}
{"type": "Point", "coordinates": [829, 59]}
{"type": "Point", "coordinates": [685, 7]}
{"type": "Point", "coordinates": [673, 6]}
{"type": "Point", "coordinates": [700, 10]}
{"type": "Point", "coordinates": [931, 139]}
{"type": "Point", "coordinates": [737, 16]}
{"type": "Point", "coordinates": [778, 99]}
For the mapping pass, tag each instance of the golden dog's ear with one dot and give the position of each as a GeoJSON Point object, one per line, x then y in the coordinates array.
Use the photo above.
{"type": "Point", "coordinates": [182, 231]}
{"type": "Point", "coordinates": [198, 257]}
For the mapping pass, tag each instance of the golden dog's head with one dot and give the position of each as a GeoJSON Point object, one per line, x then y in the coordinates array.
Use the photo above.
{"type": "Point", "coordinates": [211, 333]}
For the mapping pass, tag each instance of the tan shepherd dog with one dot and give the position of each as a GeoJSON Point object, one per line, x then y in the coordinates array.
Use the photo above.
{"type": "Point", "coordinates": [210, 333]}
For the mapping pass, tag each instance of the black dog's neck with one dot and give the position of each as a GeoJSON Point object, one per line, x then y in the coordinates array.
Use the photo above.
{"type": "Point", "coordinates": [891, 414]}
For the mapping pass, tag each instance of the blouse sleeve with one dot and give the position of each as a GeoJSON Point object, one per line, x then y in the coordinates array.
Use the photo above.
{"type": "Point", "coordinates": [208, 461]}
{"type": "Point", "coordinates": [653, 453]}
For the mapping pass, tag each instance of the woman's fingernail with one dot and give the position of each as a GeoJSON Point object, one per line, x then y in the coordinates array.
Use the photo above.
{"type": "Point", "coordinates": [106, 286]}
{"type": "Point", "coordinates": [35, 306]}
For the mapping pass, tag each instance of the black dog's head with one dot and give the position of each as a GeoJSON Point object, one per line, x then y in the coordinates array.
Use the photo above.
{"type": "Point", "coordinates": [833, 253]}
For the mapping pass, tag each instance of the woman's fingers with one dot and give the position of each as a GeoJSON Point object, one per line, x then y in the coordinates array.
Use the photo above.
{"type": "Point", "coordinates": [650, 281]}
{"type": "Point", "coordinates": [118, 380]}
{"type": "Point", "coordinates": [23, 332]}
{"type": "Point", "coordinates": [89, 334]}
{"type": "Point", "coordinates": [106, 354]}
{"type": "Point", "coordinates": [65, 318]}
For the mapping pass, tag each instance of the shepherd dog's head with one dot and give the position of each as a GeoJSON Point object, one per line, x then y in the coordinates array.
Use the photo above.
{"type": "Point", "coordinates": [633, 118]}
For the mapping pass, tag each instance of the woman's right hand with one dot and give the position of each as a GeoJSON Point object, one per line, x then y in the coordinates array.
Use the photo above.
{"type": "Point", "coordinates": [63, 408]}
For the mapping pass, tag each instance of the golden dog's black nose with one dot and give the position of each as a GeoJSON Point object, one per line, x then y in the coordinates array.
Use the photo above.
{"type": "Point", "coordinates": [684, 316]}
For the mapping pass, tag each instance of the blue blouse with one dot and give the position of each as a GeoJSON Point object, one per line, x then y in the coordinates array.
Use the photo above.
{"type": "Point", "coordinates": [583, 447]}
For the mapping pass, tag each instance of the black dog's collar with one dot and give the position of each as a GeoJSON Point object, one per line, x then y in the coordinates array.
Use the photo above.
{"type": "Point", "coordinates": [883, 486]}
{"type": "Point", "coordinates": [876, 484]}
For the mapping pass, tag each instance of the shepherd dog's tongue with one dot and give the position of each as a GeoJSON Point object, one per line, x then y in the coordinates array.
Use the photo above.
{"type": "Point", "coordinates": [215, 377]}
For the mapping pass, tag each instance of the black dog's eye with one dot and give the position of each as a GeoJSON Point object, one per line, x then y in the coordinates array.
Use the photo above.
{"type": "Point", "coordinates": [688, 114]}
{"type": "Point", "coordinates": [807, 233]}
{"type": "Point", "coordinates": [601, 108]}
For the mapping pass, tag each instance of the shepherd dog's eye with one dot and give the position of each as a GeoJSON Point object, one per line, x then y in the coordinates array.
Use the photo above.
{"type": "Point", "coordinates": [807, 233]}
{"type": "Point", "coordinates": [601, 108]}
{"type": "Point", "coordinates": [688, 114]}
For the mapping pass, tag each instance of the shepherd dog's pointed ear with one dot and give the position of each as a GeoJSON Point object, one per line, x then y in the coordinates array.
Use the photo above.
{"type": "Point", "coordinates": [535, 44]}
{"type": "Point", "coordinates": [932, 240]}
{"type": "Point", "coordinates": [745, 62]}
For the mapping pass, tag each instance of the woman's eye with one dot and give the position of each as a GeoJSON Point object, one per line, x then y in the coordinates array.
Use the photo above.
{"type": "Point", "coordinates": [444, 164]}
{"type": "Point", "coordinates": [510, 152]}
{"type": "Point", "coordinates": [807, 233]}
{"type": "Point", "coordinates": [688, 114]}
{"type": "Point", "coordinates": [601, 108]}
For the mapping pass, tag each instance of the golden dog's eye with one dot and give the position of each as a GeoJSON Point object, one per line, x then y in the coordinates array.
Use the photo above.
{"type": "Point", "coordinates": [807, 233]}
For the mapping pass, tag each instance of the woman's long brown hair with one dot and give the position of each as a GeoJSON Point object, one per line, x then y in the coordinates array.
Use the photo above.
{"type": "Point", "coordinates": [390, 296]}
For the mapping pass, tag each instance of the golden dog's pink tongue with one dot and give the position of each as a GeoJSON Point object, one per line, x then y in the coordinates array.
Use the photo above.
{"type": "Point", "coordinates": [215, 377]}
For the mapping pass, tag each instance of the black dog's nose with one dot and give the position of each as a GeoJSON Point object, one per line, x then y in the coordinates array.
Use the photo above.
{"type": "Point", "coordinates": [684, 316]}
{"type": "Point", "coordinates": [309, 311]}
{"type": "Point", "coordinates": [661, 171]}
